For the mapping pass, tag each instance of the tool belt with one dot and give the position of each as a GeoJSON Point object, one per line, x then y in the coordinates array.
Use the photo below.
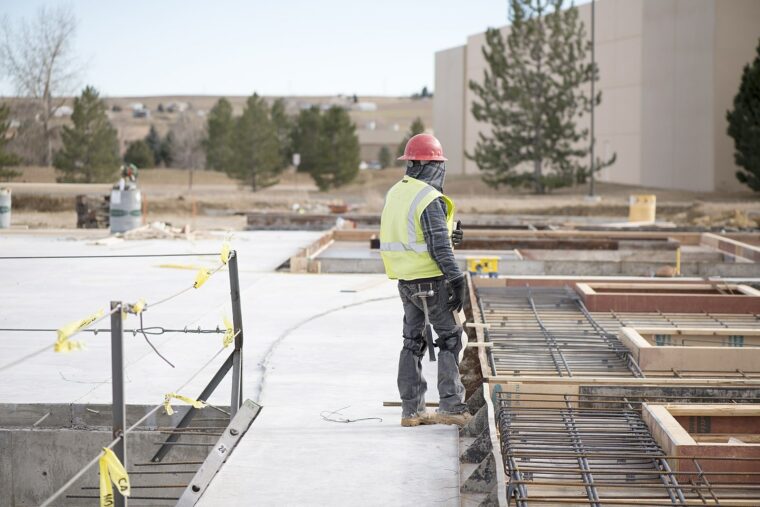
{"type": "Point", "coordinates": [422, 280]}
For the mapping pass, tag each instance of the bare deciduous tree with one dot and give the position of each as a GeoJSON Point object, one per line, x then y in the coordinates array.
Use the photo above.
{"type": "Point", "coordinates": [38, 58]}
{"type": "Point", "coordinates": [29, 141]}
{"type": "Point", "coordinates": [185, 145]}
{"type": "Point", "coordinates": [186, 135]}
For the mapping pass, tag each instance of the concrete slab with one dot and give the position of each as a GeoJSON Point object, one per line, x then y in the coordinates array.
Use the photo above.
{"type": "Point", "coordinates": [342, 360]}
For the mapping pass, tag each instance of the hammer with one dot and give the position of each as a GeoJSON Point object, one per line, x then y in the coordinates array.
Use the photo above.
{"type": "Point", "coordinates": [428, 331]}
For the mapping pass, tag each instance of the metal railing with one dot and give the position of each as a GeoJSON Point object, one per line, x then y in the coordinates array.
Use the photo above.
{"type": "Point", "coordinates": [120, 430]}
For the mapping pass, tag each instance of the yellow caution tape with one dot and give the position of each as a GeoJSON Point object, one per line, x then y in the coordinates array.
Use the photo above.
{"type": "Point", "coordinates": [138, 307]}
{"type": "Point", "coordinates": [189, 401]}
{"type": "Point", "coordinates": [111, 470]}
{"type": "Point", "coordinates": [229, 335]}
{"type": "Point", "coordinates": [63, 344]}
{"type": "Point", "coordinates": [67, 346]}
{"type": "Point", "coordinates": [225, 255]}
{"type": "Point", "coordinates": [72, 327]}
{"type": "Point", "coordinates": [201, 278]}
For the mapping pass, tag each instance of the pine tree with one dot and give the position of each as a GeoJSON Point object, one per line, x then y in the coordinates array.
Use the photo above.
{"type": "Point", "coordinates": [384, 157]}
{"type": "Point", "coordinates": [339, 150]}
{"type": "Point", "coordinates": [90, 148]}
{"type": "Point", "coordinates": [306, 138]}
{"type": "Point", "coordinates": [167, 149]}
{"type": "Point", "coordinates": [284, 126]}
{"type": "Point", "coordinates": [153, 140]}
{"type": "Point", "coordinates": [532, 96]}
{"type": "Point", "coordinates": [417, 127]}
{"type": "Point", "coordinates": [218, 144]}
{"type": "Point", "coordinates": [6, 159]}
{"type": "Point", "coordinates": [256, 156]}
{"type": "Point", "coordinates": [139, 153]}
{"type": "Point", "coordinates": [744, 125]}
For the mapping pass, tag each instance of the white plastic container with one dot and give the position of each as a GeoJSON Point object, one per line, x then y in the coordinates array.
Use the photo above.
{"type": "Point", "coordinates": [5, 208]}
{"type": "Point", "coordinates": [126, 210]}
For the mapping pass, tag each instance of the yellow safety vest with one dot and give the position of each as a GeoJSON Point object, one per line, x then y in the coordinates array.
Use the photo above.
{"type": "Point", "coordinates": [402, 243]}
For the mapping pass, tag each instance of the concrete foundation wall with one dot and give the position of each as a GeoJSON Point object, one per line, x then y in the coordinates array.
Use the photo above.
{"type": "Point", "coordinates": [35, 462]}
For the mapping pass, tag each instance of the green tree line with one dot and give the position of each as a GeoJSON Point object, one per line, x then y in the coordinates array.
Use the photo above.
{"type": "Point", "coordinates": [258, 145]}
{"type": "Point", "coordinates": [254, 147]}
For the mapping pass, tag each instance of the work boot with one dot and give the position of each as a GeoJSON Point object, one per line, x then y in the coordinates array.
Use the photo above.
{"type": "Point", "coordinates": [459, 419]}
{"type": "Point", "coordinates": [417, 419]}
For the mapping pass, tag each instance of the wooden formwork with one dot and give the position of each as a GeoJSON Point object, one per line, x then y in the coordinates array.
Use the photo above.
{"type": "Point", "coordinates": [724, 441]}
{"type": "Point", "coordinates": [669, 297]}
{"type": "Point", "coordinates": [694, 349]}
{"type": "Point", "coordinates": [736, 248]}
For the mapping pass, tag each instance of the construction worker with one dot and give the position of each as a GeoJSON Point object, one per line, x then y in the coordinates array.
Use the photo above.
{"type": "Point", "coordinates": [416, 236]}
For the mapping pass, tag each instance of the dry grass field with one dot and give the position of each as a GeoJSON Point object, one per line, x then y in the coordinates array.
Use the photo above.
{"type": "Point", "coordinates": [38, 201]}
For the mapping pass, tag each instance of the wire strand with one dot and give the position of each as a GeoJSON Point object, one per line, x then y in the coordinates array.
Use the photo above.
{"type": "Point", "coordinates": [112, 256]}
{"type": "Point", "coordinates": [36, 353]}
{"type": "Point", "coordinates": [152, 330]}
{"type": "Point", "coordinates": [169, 298]}
{"type": "Point", "coordinates": [113, 310]}
{"type": "Point", "coordinates": [142, 330]}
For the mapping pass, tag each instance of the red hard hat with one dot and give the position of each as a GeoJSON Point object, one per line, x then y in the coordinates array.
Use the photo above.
{"type": "Point", "coordinates": [423, 147]}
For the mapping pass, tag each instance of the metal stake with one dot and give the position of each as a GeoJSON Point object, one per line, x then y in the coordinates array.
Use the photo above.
{"type": "Point", "coordinates": [237, 320]}
{"type": "Point", "coordinates": [117, 388]}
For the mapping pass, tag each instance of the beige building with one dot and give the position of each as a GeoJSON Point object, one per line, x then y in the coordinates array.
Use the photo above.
{"type": "Point", "coordinates": [371, 141]}
{"type": "Point", "coordinates": [669, 70]}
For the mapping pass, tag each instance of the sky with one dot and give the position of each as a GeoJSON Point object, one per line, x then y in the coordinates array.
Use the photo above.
{"type": "Point", "coordinates": [280, 47]}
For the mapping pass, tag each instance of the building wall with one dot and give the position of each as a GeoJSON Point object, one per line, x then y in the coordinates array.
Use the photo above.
{"type": "Point", "coordinates": [448, 105]}
{"type": "Point", "coordinates": [677, 110]}
{"type": "Point", "coordinates": [668, 72]}
{"type": "Point", "coordinates": [737, 34]}
{"type": "Point", "coordinates": [618, 55]}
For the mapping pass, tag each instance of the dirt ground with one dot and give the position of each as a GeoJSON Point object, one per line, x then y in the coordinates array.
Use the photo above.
{"type": "Point", "coordinates": [39, 202]}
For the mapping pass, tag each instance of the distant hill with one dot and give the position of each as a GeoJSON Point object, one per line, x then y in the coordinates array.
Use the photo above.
{"type": "Point", "coordinates": [379, 120]}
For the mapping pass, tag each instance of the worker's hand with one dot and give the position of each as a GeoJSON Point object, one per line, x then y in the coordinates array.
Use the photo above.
{"type": "Point", "coordinates": [457, 235]}
{"type": "Point", "coordinates": [456, 298]}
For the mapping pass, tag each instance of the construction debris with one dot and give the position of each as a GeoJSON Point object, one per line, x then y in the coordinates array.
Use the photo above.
{"type": "Point", "coordinates": [92, 211]}
{"type": "Point", "coordinates": [162, 230]}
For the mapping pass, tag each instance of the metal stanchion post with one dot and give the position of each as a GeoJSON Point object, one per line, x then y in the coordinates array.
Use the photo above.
{"type": "Point", "coordinates": [117, 388]}
{"type": "Point", "coordinates": [237, 320]}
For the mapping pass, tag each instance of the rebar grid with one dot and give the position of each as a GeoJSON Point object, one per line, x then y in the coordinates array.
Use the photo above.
{"type": "Point", "coordinates": [543, 331]}
{"type": "Point", "coordinates": [565, 449]}
{"type": "Point", "coordinates": [547, 331]}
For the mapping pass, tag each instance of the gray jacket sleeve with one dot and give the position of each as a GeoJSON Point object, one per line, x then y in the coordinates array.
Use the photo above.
{"type": "Point", "coordinates": [433, 221]}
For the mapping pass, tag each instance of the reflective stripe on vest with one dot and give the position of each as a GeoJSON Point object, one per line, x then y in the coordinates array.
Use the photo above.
{"type": "Point", "coordinates": [411, 228]}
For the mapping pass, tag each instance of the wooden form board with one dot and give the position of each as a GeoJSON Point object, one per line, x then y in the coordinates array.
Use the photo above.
{"type": "Point", "coordinates": [677, 441]}
{"type": "Point", "coordinates": [684, 238]}
{"type": "Point", "coordinates": [560, 281]}
{"type": "Point", "coordinates": [669, 297]}
{"type": "Point", "coordinates": [304, 261]}
{"type": "Point", "coordinates": [651, 358]}
{"type": "Point", "coordinates": [742, 251]}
